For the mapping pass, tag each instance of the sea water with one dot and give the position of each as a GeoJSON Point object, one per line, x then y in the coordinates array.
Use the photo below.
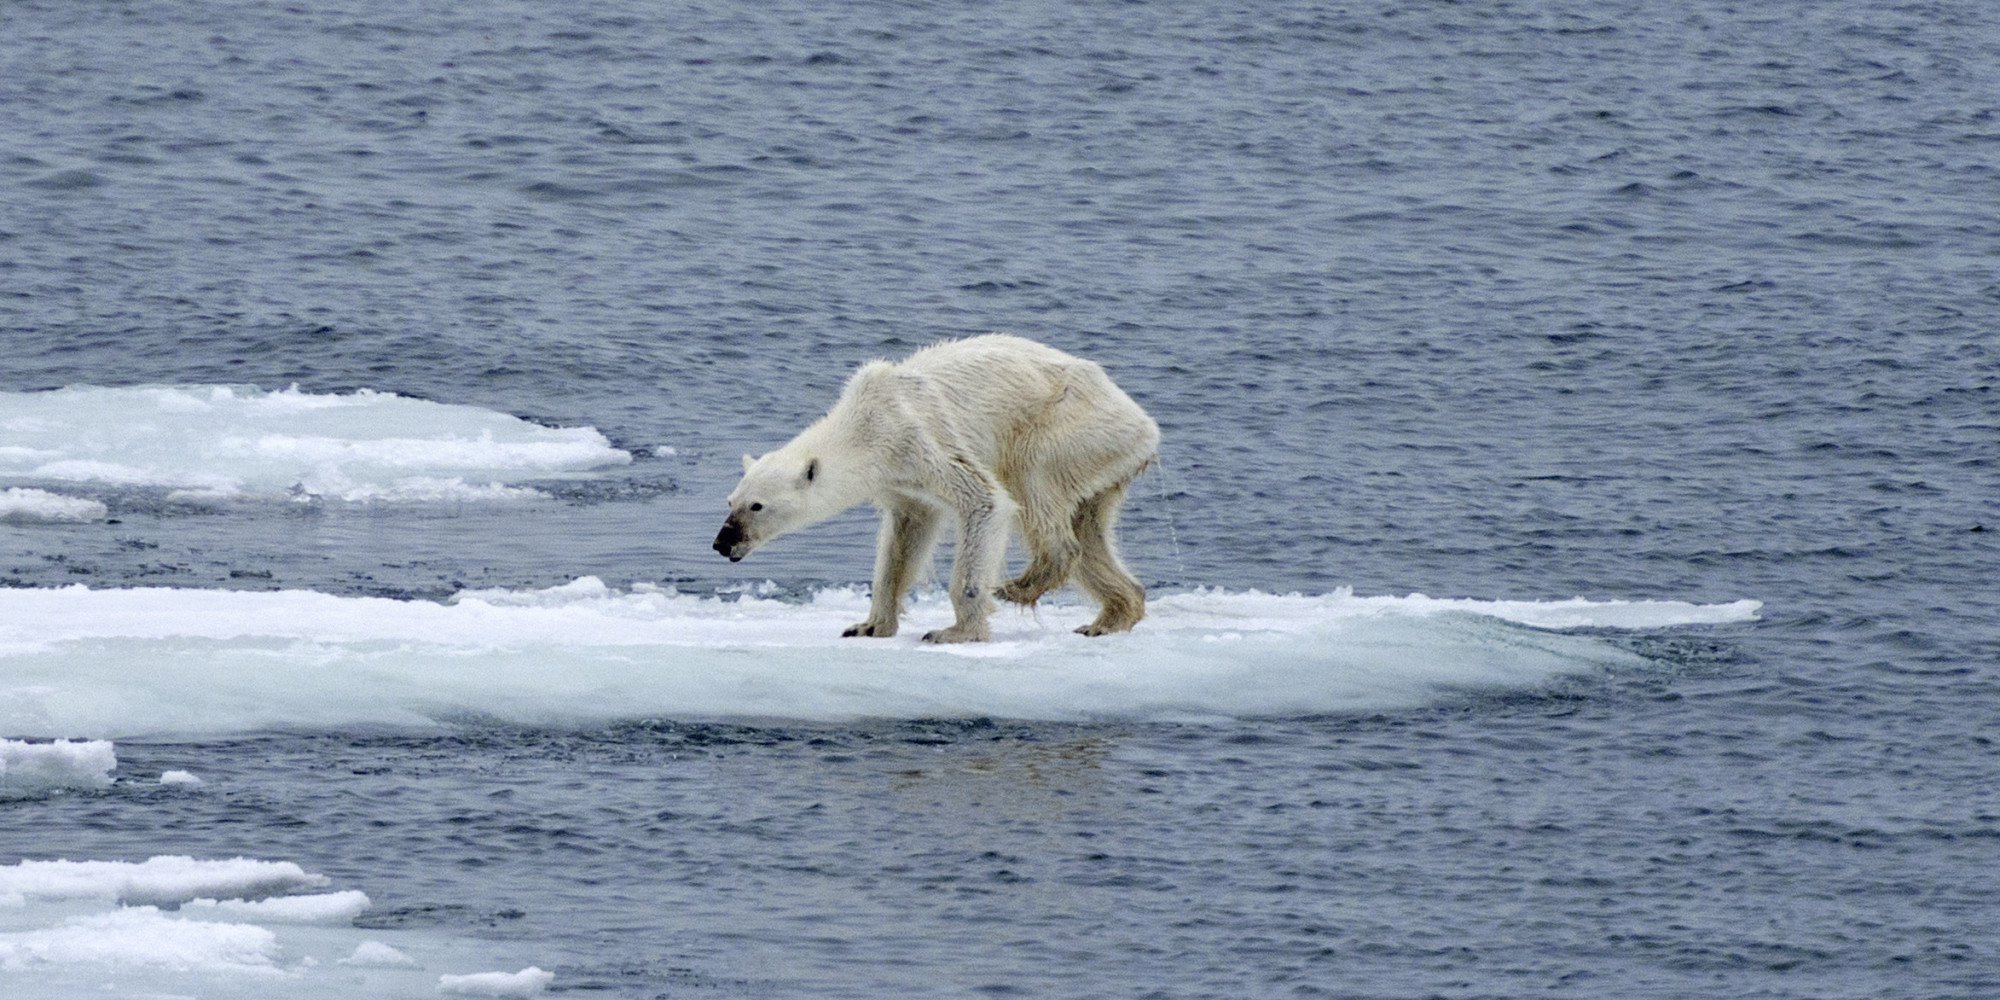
{"type": "Point", "coordinates": [371, 375]}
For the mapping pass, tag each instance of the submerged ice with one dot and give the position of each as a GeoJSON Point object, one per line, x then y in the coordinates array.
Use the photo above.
{"type": "Point", "coordinates": [236, 441]}
{"type": "Point", "coordinates": [111, 663]}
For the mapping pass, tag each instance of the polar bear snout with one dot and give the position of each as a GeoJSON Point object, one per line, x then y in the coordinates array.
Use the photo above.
{"type": "Point", "coordinates": [731, 541]}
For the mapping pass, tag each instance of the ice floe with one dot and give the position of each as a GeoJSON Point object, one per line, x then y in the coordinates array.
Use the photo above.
{"type": "Point", "coordinates": [233, 441]}
{"type": "Point", "coordinates": [319, 908]}
{"type": "Point", "coordinates": [225, 929]}
{"type": "Point", "coordinates": [527, 982]}
{"type": "Point", "coordinates": [117, 663]}
{"type": "Point", "coordinates": [142, 936]}
{"type": "Point", "coordinates": [159, 881]}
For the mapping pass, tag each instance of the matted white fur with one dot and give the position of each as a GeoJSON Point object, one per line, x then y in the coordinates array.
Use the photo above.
{"type": "Point", "coordinates": [995, 431]}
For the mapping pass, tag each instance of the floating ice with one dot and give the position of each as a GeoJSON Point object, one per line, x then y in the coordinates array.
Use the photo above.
{"type": "Point", "coordinates": [142, 936]}
{"type": "Point", "coordinates": [525, 983]}
{"type": "Point", "coordinates": [320, 908]}
{"type": "Point", "coordinates": [234, 441]}
{"type": "Point", "coordinates": [184, 779]}
{"type": "Point", "coordinates": [29, 506]}
{"type": "Point", "coordinates": [37, 768]}
{"type": "Point", "coordinates": [157, 661]}
{"type": "Point", "coordinates": [236, 935]}
{"type": "Point", "coordinates": [162, 881]}
{"type": "Point", "coordinates": [376, 955]}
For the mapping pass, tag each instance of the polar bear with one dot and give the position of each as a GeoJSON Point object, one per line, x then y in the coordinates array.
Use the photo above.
{"type": "Point", "coordinates": [991, 430]}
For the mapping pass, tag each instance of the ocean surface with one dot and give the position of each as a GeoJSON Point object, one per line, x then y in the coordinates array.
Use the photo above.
{"type": "Point", "coordinates": [1572, 551]}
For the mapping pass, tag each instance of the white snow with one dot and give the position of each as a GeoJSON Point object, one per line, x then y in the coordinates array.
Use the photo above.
{"type": "Point", "coordinates": [226, 441]}
{"type": "Point", "coordinates": [37, 768]}
{"type": "Point", "coordinates": [527, 982]}
{"type": "Point", "coordinates": [158, 661]}
{"type": "Point", "coordinates": [31, 506]}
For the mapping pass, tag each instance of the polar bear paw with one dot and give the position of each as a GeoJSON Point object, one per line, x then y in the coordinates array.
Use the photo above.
{"type": "Point", "coordinates": [960, 633]}
{"type": "Point", "coordinates": [1105, 625]}
{"type": "Point", "coordinates": [871, 629]}
{"type": "Point", "coordinates": [1020, 592]}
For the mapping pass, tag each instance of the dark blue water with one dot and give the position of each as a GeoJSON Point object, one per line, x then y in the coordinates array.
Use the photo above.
{"type": "Point", "coordinates": [1518, 301]}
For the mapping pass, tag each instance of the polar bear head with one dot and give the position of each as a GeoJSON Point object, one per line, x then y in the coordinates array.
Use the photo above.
{"type": "Point", "coordinates": [780, 492]}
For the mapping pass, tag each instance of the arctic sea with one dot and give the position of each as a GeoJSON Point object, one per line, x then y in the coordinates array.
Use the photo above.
{"type": "Point", "coordinates": [1571, 555]}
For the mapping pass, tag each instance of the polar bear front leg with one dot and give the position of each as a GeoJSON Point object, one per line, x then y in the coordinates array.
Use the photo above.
{"type": "Point", "coordinates": [902, 550]}
{"type": "Point", "coordinates": [982, 547]}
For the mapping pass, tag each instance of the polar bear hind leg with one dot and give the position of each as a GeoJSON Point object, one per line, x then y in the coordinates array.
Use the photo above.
{"type": "Point", "coordinates": [1048, 531]}
{"type": "Point", "coordinates": [1099, 571]}
{"type": "Point", "coordinates": [1091, 437]}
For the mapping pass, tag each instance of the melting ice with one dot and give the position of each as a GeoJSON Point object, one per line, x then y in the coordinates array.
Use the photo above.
{"type": "Point", "coordinates": [224, 441]}
{"type": "Point", "coordinates": [112, 663]}
{"type": "Point", "coordinates": [228, 928]}
{"type": "Point", "coordinates": [171, 661]}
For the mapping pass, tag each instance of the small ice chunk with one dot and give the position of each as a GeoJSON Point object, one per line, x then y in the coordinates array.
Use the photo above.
{"type": "Point", "coordinates": [31, 506]}
{"type": "Point", "coordinates": [376, 955]}
{"type": "Point", "coordinates": [525, 983]}
{"type": "Point", "coordinates": [183, 778]}
{"type": "Point", "coordinates": [36, 768]}
{"type": "Point", "coordinates": [320, 908]}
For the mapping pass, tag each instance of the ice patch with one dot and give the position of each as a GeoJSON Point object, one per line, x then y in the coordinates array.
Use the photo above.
{"type": "Point", "coordinates": [65, 935]}
{"type": "Point", "coordinates": [183, 779]}
{"type": "Point", "coordinates": [321, 908]}
{"type": "Point", "coordinates": [169, 661]}
{"type": "Point", "coordinates": [160, 881]}
{"type": "Point", "coordinates": [224, 441]}
{"type": "Point", "coordinates": [525, 983]}
{"type": "Point", "coordinates": [29, 506]}
{"type": "Point", "coordinates": [376, 955]}
{"type": "Point", "coordinates": [28, 769]}
{"type": "Point", "coordinates": [142, 937]}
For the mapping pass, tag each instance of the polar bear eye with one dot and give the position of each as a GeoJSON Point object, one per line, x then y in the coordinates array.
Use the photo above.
{"type": "Point", "coordinates": [756, 506]}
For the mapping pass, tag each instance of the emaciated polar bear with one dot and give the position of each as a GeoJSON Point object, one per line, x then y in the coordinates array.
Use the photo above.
{"type": "Point", "coordinates": [989, 429]}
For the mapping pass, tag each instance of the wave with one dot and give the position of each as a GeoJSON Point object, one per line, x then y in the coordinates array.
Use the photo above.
{"type": "Point", "coordinates": [159, 661]}
{"type": "Point", "coordinates": [234, 441]}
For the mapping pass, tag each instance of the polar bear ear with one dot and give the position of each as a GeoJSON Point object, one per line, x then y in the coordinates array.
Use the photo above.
{"type": "Point", "coordinates": [748, 462]}
{"type": "Point", "coordinates": [812, 469]}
